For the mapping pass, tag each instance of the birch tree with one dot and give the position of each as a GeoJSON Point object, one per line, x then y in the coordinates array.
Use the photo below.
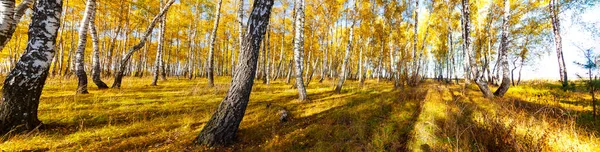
{"type": "Point", "coordinates": [562, 68]}
{"type": "Point", "coordinates": [342, 78]}
{"type": "Point", "coordinates": [241, 28]}
{"type": "Point", "coordinates": [222, 127]}
{"type": "Point", "coordinates": [299, 48]}
{"type": "Point", "coordinates": [125, 60]}
{"type": "Point", "coordinates": [470, 55]}
{"type": "Point", "coordinates": [10, 17]}
{"type": "Point", "coordinates": [23, 86]}
{"type": "Point", "coordinates": [159, 62]}
{"type": "Point", "coordinates": [96, 50]}
{"type": "Point", "coordinates": [80, 53]}
{"type": "Point", "coordinates": [504, 51]}
{"type": "Point", "coordinates": [211, 50]}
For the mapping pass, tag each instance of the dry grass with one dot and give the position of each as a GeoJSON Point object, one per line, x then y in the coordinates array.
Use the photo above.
{"type": "Point", "coordinates": [455, 119]}
{"type": "Point", "coordinates": [169, 116]}
{"type": "Point", "coordinates": [374, 117]}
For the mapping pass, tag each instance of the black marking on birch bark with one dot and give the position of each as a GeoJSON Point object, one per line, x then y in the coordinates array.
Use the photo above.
{"type": "Point", "coordinates": [23, 86]}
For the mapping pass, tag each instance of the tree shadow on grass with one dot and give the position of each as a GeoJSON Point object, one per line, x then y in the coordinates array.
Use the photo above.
{"type": "Point", "coordinates": [583, 119]}
{"type": "Point", "coordinates": [459, 131]}
{"type": "Point", "coordinates": [349, 127]}
{"type": "Point", "coordinates": [497, 133]}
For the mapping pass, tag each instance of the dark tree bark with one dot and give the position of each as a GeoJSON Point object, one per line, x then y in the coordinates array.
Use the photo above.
{"type": "Point", "coordinates": [125, 60]}
{"type": "Point", "coordinates": [222, 127]}
{"type": "Point", "coordinates": [23, 86]}
{"type": "Point", "coordinates": [503, 52]}
{"type": "Point", "coordinates": [96, 52]}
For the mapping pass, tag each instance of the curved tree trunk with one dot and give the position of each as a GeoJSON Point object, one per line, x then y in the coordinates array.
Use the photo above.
{"type": "Point", "coordinates": [483, 86]}
{"type": "Point", "coordinates": [213, 38]}
{"type": "Point", "coordinates": [80, 53]}
{"type": "Point", "coordinates": [503, 52]}
{"type": "Point", "coordinates": [23, 86]}
{"type": "Point", "coordinates": [338, 88]}
{"type": "Point", "coordinates": [125, 59]}
{"type": "Point", "coordinates": [299, 48]}
{"type": "Point", "coordinates": [96, 52]}
{"type": "Point", "coordinates": [9, 18]}
{"type": "Point", "coordinates": [222, 127]}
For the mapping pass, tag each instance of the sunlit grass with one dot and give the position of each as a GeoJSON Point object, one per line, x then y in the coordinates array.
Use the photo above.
{"type": "Point", "coordinates": [373, 117]}
{"type": "Point", "coordinates": [169, 116]}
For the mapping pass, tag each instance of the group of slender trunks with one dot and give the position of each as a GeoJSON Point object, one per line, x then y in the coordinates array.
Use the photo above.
{"type": "Point", "coordinates": [23, 86]}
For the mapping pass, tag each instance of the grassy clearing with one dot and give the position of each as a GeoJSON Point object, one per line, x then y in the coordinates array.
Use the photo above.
{"type": "Point", "coordinates": [169, 116]}
{"type": "Point", "coordinates": [374, 117]}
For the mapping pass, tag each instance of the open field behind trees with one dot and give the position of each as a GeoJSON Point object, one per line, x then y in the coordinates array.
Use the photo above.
{"type": "Point", "coordinates": [434, 116]}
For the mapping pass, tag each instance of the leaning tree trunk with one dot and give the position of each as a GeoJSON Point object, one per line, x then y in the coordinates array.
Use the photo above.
{"type": "Point", "coordinates": [558, 42]}
{"type": "Point", "coordinates": [338, 88]}
{"type": "Point", "coordinates": [483, 86]}
{"type": "Point", "coordinates": [96, 53]}
{"type": "Point", "coordinates": [299, 49]}
{"type": "Point", "coordinates": [23, 86]}
{"type": "Point", "coordinates": [503, 52]}
{"type": "Point", "coordinates": [80, 53]}
{"type": "Point", "coordinates": [222, 127]}
{"type": "Point", "coordinates": [9, 18]}
{"type": "Point", "coordinates": [125, 59]}
{"type": "Point", "coordinates": [211, 49]}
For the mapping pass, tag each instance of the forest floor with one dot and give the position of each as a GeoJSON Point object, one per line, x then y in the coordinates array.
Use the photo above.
{"type": "Point", "coordinates": [375, 117]}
